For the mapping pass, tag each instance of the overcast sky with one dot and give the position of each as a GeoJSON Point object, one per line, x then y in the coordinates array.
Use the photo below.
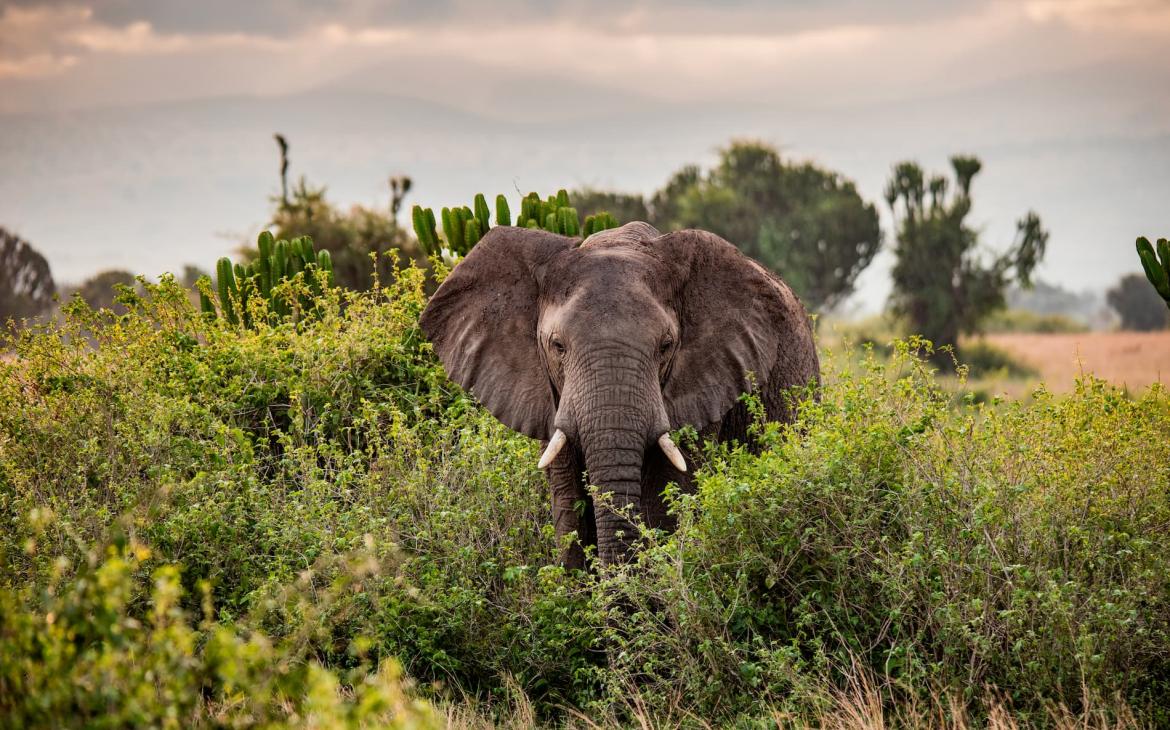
{"type": "Point", "coordinates": [116, 51]}
{"type": "Point", "coordinates": [1016, 72]}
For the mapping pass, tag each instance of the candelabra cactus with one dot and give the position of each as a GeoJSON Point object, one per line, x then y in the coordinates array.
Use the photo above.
{"type": "Point", "coordinates": [1157, 265]}
{"type": "Point", "coordinates": [599, 222]}
{"type": "Point", "coordinates": [279, 262]}
{"type": "Point", "coordinates": [463, 227]}
{"type": "Point", "coordinates": [503, 215]}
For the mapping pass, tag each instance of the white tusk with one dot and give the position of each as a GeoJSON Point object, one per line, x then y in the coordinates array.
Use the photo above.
{"type": "Point", "coordinates": [672, 452]}
{"type": "Point", "coordinates": [555, 444]}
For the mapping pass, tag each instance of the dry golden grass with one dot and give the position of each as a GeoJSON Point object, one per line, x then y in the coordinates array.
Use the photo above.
{"type": "Point", "coordinates": [1134, 360]}
{"type": "Point", "coordinates": [859, 706]}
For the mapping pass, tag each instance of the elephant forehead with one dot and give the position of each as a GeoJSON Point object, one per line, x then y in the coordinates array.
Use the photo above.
{"type": "Point", "coordinates": [601, 306]}
{"type": "Point", "coordinates": [618, 266]}
{"type": "Point", "coordinates": [613, 275]}
{"type": "Point", "coordinates": [635, 233]}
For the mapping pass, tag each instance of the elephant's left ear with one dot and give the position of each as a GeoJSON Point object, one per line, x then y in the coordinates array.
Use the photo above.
{"type": "Point", "coordinates": [735, 319]}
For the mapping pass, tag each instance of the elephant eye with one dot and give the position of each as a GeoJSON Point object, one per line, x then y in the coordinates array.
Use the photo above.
{"type": "Point", "coordinates": [558, 346]}
{"type": "Point", "coordinates": [665, 346]}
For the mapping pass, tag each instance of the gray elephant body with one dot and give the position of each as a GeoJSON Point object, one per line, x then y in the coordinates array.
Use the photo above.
{"type": "Point", "coordinates": [614, 341]}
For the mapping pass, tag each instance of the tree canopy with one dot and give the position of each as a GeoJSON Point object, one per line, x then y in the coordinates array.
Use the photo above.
{"type": "Point", "coordinates": [804, 222]}
{"type": "Point", "coordinates": [1138, 304]}
{"type": "Point", "coordinates": [941, 283]}
{"type": "Point", "coordinates": [26, 283]}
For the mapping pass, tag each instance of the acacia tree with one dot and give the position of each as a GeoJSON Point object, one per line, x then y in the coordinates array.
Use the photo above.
{"type": "Point", "coordinates": [941, 283]}
{"type": "Point", "coordinates": [804, 222]}
{"type": "Point", "coordinates": [26, 284]}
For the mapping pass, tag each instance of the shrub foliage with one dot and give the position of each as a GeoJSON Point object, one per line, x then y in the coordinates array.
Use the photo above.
{"type": "Point", "coordinates": [204, 524]}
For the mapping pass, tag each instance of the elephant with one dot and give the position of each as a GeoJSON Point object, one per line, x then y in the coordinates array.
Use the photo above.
{"type": "Point", "coordinates": [600, 348]}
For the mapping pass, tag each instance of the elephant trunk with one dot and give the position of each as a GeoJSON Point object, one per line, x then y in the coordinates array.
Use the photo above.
{"type": "Point", "coordinates": [615, 420]}
{"type": "Point", "coordinates": [613, 460]}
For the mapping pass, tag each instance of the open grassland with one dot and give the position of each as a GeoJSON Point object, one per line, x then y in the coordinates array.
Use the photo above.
{"type": "Point", "coordinates": [1131, 360]}
{"type": "Point", "coordinates": [306, 524]}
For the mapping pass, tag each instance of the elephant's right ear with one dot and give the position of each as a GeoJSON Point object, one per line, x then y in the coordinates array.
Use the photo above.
{"type": "Point", "coordinates": [482, 322]}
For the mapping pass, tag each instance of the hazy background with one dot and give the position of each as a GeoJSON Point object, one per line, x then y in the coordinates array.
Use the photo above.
{"type": "Point", "coordinates": [138, 134]}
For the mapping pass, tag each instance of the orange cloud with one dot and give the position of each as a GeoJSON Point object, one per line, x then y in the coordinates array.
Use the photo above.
{"type": "Point", "coordinates": [1146, 17]}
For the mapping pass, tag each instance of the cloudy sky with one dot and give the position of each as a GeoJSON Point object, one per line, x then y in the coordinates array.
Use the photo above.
{"type": "Point", "coordinates": [55, 55]}
{"type": "Point", "coordinates": [1067, 101]}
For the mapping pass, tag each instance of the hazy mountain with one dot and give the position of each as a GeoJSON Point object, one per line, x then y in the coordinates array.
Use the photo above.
{"type": "Point", "coordinates": [149, 188]}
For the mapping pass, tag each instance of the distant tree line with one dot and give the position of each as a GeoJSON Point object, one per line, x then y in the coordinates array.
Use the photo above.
{"type": "Point", "coordinates": [807, 223]}
{"type": "Point", "coordinates": [812, 227]}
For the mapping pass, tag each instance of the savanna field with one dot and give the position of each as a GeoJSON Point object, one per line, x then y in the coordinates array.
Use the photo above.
{"type": "Point", "coordinates": [305, 524]}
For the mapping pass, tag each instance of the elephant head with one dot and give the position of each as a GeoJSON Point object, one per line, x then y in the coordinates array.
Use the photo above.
{"type": "Point", "coordinates": [608, 344]}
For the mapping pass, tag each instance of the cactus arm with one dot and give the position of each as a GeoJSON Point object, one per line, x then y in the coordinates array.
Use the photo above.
{"type": "Point", "coordinates": [1164, 255]}
{"type": "Point", "coordinates": [572, 222]}
{"type": "Point", "coordinates": [482, 213]}
{"type": "Point", "coordinates": [296, 262]}
{"type": "Point", "coordinates": [283, 266]}
{"type": "Point", "coordinates": [1156, 272]}
{"type": "Point", "coordinates": [264, 274]}
{"type": "Point", "coordinates": [424, 229]}
{"type": "Point", "coordinates": [418, 221]}
{"type": "Point", "coordinates": [432, 229]}
{"type": "Point", "coordinates": [206, 306]}
{"type": "Point", "coordinates": [471, 232]}
{"type": "Point", "coordinates": [247, 286]}
{"type": "Point", "coordinates": [325, 263]}
{"type": "Point", "coordinates": [448, 227]}
{"type": "Point", "coordinates": [226, 283]}
{"type": "Point", "coordinates": [503, 215]}
{"type": "Point", "coordinates": [458, 226]}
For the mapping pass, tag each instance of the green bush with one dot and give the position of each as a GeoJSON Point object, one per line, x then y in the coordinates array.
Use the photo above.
{"type": "Point", "coordinates": [252, 456]}
{"type": "Point", "coordinates": [1017, 551]}
{"type": "Point", "coordinates": [78, 652]}
{"type": "Point", "coordinates": [320, 483]}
